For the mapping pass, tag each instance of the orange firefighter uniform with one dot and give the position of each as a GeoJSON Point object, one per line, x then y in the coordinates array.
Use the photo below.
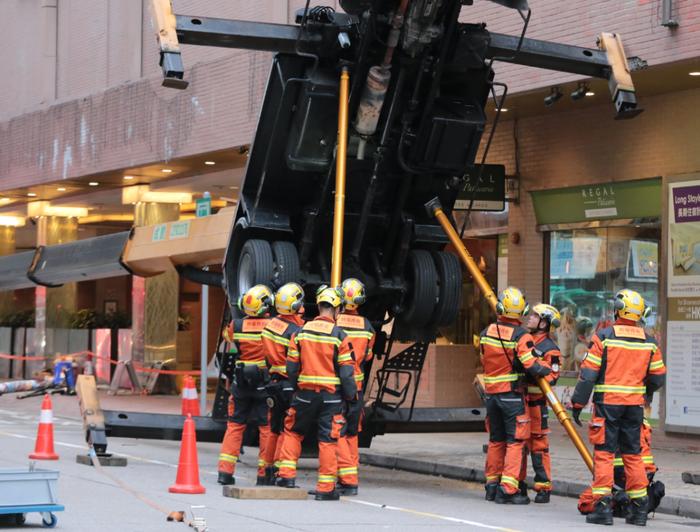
{"type": "Point", "coordinates": [547, 353]}
{"type": "Point", "coordinates": [320, 363]}
{"type": "Point", "coordinates": [506, 351]}
{"type": "Point", "coordinates": [586, 501]}
{"type": "Point", "coordinates": [622, 364]}
{"type": "Point", "coordinates": [275, 337]}
{"type": "Point", "coordinates": [247, 403]}
{"type": "Point", "coordinates": [361, 334]}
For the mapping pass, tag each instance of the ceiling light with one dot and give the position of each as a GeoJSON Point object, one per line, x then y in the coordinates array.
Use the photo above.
{"type": "Point", "coordinates": [166, 170]}
{"type": "Point", "coordinates": [44, 208]}
{"type": "Point", "coordinates": [209, 163]}
{"type": "Point", "coordinates": [580, 92]}
{"type": "Point", "coordinates": [233, 188]}
{"type": "Point", "coordinates": [61, 189]}
{"type": "Point", "coordinates": [590, 93]}
{"type": "Point", "coordinates": [128, 177]}
{"type": "Point", "coordinates": [93, 183]}
{"type": "Point", "coordinates": [4, 200]}
{"type": "Point", "coordinates": [694, 73]}
{"type": "Point", "coordinates": [143, 193]}
{"type": "Point", "coordinates": [31, 194]}
{"type": "Point", "coordinates": [555, 95]}
{"type": "Point", "coordinates": [504, 109]}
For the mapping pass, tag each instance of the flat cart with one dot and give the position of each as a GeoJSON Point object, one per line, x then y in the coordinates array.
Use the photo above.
{"type": "Point", "coordinates": [24, 491]}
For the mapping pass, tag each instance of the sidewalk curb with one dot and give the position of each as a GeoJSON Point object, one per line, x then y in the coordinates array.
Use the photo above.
{"type": "Point", "coordinates": [670, 504]}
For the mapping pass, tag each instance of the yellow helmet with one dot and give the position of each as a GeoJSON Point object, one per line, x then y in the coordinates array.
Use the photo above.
{"type": "Point", "coordinates": [548, 313]}
{"type": "Point", "coordinates": [289, 299]}
{"type": "Point", "coordinates": [354, 293]}
{"type": "Point", "coordinates": [630, 305]}
{"type": "Point", "coordinates": [331, 296]}
{"type": "Point", "coordinates": [256, 301]}
{"type": "Point", "coordinates": [511, 303]}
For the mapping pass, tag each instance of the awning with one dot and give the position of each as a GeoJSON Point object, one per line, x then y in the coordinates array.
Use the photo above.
{"type": "Point", "coordinates": [198, 242]}
{"type": "Point", "coordinates": [13, 271]}
{"type": "Point", "coordinates": [81, 260]}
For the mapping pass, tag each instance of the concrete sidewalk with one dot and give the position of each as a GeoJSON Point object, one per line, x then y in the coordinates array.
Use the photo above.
{"type": "Point", "coordinates": [460, 456]}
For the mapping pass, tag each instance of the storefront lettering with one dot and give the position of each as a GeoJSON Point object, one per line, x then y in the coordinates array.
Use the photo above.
{"type": "Point", "coordinates": [597, 192]}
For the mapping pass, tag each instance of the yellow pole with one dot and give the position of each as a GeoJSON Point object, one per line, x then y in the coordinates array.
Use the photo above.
{"type": "Point", "coordinates": [340, 165]}
{"type": "Point", "coordinates": [435, 209]}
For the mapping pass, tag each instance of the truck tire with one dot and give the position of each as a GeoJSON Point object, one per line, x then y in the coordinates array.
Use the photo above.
{"type": "Point", "coordinates": [449, 273]}
{"type": "Point", "coordinates": [255, 265]}
{"type": "Point", "coordinates": [286, 267]}
{"type": "Point", "coordinates": [422, 279]}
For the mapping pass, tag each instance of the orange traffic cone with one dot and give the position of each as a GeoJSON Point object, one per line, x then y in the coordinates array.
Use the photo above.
{"type": "Point", "coordinates": [43, 450]}
{"type": "Point", "coordinates": [187, 480]}
{"type": "Point", "coordinates": [190, 402]}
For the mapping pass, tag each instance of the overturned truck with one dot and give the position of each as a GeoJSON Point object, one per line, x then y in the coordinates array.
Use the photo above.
{"type": "Point", "coordinates": [420, 79]}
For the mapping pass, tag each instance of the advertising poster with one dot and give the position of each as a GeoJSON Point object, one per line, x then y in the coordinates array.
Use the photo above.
{"type": "Point", "coordinates": [683, 289]}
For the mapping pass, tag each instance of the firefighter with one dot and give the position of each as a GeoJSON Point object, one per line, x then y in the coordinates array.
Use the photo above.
{"type": "Point", "coordinates": [320, 362]}
{"type": "Point", "coordinates": [541, 320]}
{"type": "Point", "coordinates": [623, 364]}
{"type": "Point", "coordinates": [362, 336]}
{"type": "Point", "coordinates": [289, 304]}
{"type": "Point", "coordinates": [247, 403]}
{"type": "Point", "coordinates": [506, 353]}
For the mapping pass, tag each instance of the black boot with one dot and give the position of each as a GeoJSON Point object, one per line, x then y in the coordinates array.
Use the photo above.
{"type": "Point", "coordinates": [261, 481]}
{"type": "Point", "coordinates": [602, 513]}
{"type": "Point", "coordinates": [638, 510]}
{"type": "Point", "coordinates": [270, 475]}
{"type": "Point", "coordinates": [226, 479]}
{"type": "Point", "coordinates": [516, 498]}
{"type": "Point", "coordinates": [327, 496]}
{"type": "Point", "coordinates": [542, 497]}
{"type": "Point", "coordinates": [346, 489]}
{"type": "Point", "coordinates": [522, 488]}
{"type": "Point", "coordinates": [285, 482]}
{"type": "Point", "coordinates": [491, 489]}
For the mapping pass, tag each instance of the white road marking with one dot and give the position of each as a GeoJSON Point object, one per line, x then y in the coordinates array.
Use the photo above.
{"type": "Point", "coordinates": [131, 456]}
{"type": "Point", "coordinates": [428, 514]}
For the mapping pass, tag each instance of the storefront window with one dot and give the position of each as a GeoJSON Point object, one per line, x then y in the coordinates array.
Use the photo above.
{"type": "Point", "coordinates": [587, 267]}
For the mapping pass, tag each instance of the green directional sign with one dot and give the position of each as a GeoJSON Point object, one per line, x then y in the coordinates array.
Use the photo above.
{"type": "Point", "coordinates": [203, 207]}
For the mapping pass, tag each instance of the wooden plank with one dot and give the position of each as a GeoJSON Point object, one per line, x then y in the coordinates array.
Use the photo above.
{"type": "Point", "coordinates": [267, 492]}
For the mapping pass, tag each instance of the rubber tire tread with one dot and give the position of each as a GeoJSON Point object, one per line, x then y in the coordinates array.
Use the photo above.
{"type": "Point", "coordinates": [449, 272]}
{"type": "Point", "coordinates": [286, 259]}
{"type": "Point", "coordinates": [420, 308]}
{"type": "Point", "coordinates": [261, 254]}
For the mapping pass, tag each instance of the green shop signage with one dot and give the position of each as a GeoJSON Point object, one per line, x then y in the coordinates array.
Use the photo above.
{"type": "Point", "coordinates": [603, 201]}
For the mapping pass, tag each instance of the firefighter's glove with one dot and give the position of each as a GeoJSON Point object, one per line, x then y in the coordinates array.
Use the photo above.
{"type": "Point", "coordinates": [576, 415]}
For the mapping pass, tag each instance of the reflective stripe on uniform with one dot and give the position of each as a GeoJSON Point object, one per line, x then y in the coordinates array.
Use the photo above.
{"type": "Point", "coordinates": [619, 388]}
{"type": "Point", "coordinates": [327, 479]}
{"type": "Point", "coordinates": [509, 480]}
{"type": "Point", "coordinates": [345, 471]}
{"type": "Point", "coordinates": [354, 333]}
{"type": "Point", "coordinates": [601, 490]}
{"type": "Point", "coordinates": [310, 337]}
{"type": "Point", "coordinates": [286, 464]}
{"type": "Point", "coordinates": [345, 358]}
{"type": "Point", "coordinates": [230, 458]}
{"type": "Point", "coordinates": [281, 340]}
{"type": "Point", "coordinates": [508, 377]}
{"type": "Point", "coordinates": [318, 379]}
{"type": "Point", "coordinates": [596, 360]}
{"type": "Point", "coordinates": [659, 364]}
{"type": "Point", "coordinates": [490, 478]}
{"type": "Point", "coordinates": [637, 346]}
{"type": "Point", "coordinates": [543, 485]}
{"type": "Point", "coordinates": [534, 390]}
{"type": "Point", "coordinates": [637, 494]}
{"type": "Point", "coordinates": [526, 357]}
{"type": "Point", "coordinates": [648, 459]}
{"type": "Point", "coordinates": [485, 340]}
{"type": "Point", "coordinates": [278, 368]}
{"type": "Point", "coordinates": [247, 336]}
{"type": "Point", "coordinates": [360, 377]}
{"type": "Point", "coordinates": [617, 462]}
